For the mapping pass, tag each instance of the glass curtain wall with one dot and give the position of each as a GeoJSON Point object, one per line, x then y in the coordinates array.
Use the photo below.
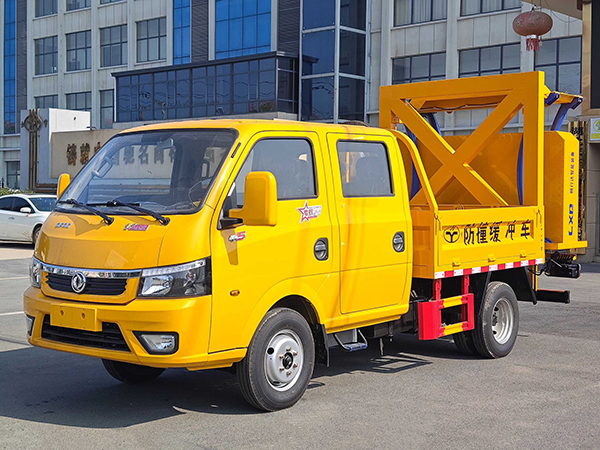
{"type": "Point", "coordinates": [181, 31]}
{"type": "Point", "coordinates": [243, 27]}
{"type": "Point", "coordinates": [334, 43]}
{"type": "Point", "coordinates": [10, 67]}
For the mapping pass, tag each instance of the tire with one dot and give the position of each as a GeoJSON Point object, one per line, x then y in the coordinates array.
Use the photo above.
{"type": "Point", "coordinates": [465, 344]}
{"type": "Point", "coordinates": [36, 235]}
{"type": "Point", "coordinates": [497, 321]}
{"type": "Point", "coordinates": [279, 363]}
{"type": "Point", "coordinates": [131, 373]}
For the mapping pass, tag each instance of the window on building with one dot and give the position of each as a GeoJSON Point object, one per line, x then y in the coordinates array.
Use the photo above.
{"type": "Point", "coordinates": [10, 67]}
{"type": "Point", "coordinates": [72, 5]}
{"type": "Point", "coordinates": [317, 98]}
{"type": "Point", "coordinates": [364, 169]}
{"type": "Point", "coordinates": [13, 174]}
{"type": "Point", "coordinates": [470, 7]}
{"type": "Point", "coordinates": [413, 69]}
{"type": "Point", "coordinates": [242, 28]}
{"type": "Point", "coordinates": [104, 2]}
{"type": "Point", "coordinates": [152, 40]}
{"type": "Point", "coordinates": [79, 51]}
{"type": "Point", "coordinates": [353, 14]}
{"type": "Point", "coordinates": [289, 160]}
{"type": "Point", "coordinates": [113, 46]}
{"type": "Point", "coordinates": [46, 101]}
{"type": "Point", "coordinates": [418, 11]}
{"type": "Point", "coordinates": [181, 31]}
{"type": "Point", "coordinates": [79, 101]}
{"type": "Point", "coordinates": [45, 7]}
{"type": "Point", "coordinates": [107, 108]}
{"type": "Point", "coordinates": [46, 55]}
{"type": "Point", "coordinates": [560, 59]}
{"type": "Point", "coordinates": [490, 60]}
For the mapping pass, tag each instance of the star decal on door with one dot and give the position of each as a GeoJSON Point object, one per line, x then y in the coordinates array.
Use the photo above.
{"type": "Point", "coordinates": [309, 212]}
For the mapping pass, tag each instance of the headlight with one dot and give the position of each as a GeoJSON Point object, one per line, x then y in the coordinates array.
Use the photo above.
{"type": "Point", "coordinates": [184, 280]}
{"type": "Point", "coordinates": [35, 272]}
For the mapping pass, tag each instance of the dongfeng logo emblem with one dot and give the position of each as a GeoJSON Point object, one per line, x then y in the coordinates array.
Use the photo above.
{"type": "Point", "coordinates": [78, 282]}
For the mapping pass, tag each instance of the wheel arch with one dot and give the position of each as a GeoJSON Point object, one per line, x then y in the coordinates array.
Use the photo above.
{"type": "Point", "coordinates": [303, 299]}
{"type": "Point", "coordinates": [36, 227]}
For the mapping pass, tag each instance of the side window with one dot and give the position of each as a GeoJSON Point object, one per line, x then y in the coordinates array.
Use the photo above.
{"type": "Point", "coordinates": [6, 203]}
{"type": "Point", "coordinates": [364, 169]}
{"type": "Point", "coordinates": [20, 203]}
{"type": "Point", "coordinates": [291, 161]}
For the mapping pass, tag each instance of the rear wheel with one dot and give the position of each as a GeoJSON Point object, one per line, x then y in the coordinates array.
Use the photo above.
{"type": "Point", "coordinates": [131, 373]}
{"type": "Point", "coordinates": [497, 321]}
{"type": "Point", "coordinates": [464, 342]}
{"type": "Point", "coordinates": [279, 363]}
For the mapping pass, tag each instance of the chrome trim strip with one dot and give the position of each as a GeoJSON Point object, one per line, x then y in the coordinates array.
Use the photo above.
{"type": "Point", "coordinates": [90, 273]}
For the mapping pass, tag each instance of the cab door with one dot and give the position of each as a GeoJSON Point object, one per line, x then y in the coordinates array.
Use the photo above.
{"type": "Point", "coordinates": [251, 264]}
{"type": "Point", "coordinates": [374, 221]}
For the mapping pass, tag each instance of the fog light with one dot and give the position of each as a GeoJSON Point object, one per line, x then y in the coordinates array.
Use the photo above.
{"type": "Point", "coordinates": [29, 324]}
{"type": "Point", "coordinates": [159, 343]}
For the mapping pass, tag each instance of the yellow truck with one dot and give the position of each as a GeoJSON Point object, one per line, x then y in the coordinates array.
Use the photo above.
{"type": "Point", "coordinates": [256, 245]}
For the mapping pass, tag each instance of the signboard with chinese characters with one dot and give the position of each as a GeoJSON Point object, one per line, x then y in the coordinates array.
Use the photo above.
{"type": "Point", "coordinates": [595, 129]}
{"type": "Point", "coordinates": [486, 233]}
{"type": "Point", "coordinates": [71, 150]}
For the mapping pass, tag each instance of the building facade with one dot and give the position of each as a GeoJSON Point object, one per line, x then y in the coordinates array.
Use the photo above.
{"type": "Point", "coordinates": [427, 40]}
{"type": "Point", "coordinates": [13, 73]}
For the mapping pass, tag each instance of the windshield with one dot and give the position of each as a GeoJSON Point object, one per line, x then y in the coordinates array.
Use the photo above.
{"type": "Point", "coordinates": [166, 171]}
{"type": "Point", "coordinates": [45, 204]}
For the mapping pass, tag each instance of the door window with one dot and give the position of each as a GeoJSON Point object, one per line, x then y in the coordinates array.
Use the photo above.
{"type": "Point", "coordinates": [6, 203]}
{"type": "Point", "coordinates": [20, 203]}
{"type": "Point", "coordinates": [364, 169]}
{"type": "Point", "coordinates": [289, 160]}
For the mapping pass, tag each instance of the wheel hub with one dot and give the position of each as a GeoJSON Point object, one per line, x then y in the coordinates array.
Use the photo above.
{"type": "Point", "coordinates": [284, 359]}
{"type": "Point", "coordinates": [503, 320]}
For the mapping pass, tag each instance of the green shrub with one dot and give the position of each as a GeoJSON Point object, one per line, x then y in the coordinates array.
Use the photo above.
{"type": "Point", "coordinates": [6, 191]}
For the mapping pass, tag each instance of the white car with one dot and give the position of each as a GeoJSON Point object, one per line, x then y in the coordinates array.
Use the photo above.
{"type": "Point", "coordinates": [22, 216]}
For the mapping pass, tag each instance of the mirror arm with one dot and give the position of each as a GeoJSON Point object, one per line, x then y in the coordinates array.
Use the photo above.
{"type": "Point", "coordinates": [229, 222]}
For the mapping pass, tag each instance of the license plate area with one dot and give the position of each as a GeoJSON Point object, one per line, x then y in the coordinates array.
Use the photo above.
{"type": "Point", "coordinates": [69, 316]}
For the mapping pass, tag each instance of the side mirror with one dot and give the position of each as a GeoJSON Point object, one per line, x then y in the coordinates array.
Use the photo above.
{"type": "Point", "coordinates": [25, 210]}
{"type": "Point", "coordinates": [260, 200]}
{"type": "Point", "coordinates": [63, 183]}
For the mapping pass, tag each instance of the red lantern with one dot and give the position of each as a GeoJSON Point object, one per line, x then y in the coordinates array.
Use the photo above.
{"type": "Point", "coordinates": [533, 25]}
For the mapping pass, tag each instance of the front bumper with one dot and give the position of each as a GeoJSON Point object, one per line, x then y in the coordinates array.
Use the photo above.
{"type": "Point", "coordinates": [190, 318]}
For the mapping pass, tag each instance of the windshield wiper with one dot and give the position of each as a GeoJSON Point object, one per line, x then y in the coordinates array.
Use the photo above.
{"type": "Point", "coordinates": [71, 201]}
{"type": "Point", "coordinates": [136, 206]}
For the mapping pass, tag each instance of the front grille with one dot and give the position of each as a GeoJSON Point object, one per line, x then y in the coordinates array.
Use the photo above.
{"type": "Point", "coordinates": [93, 286]}
{"type": "Point", "coordinates": [110, 338]}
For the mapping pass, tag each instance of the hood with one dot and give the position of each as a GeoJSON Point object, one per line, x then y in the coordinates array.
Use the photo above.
{"type": "Point", "coordinates": [129, 243]}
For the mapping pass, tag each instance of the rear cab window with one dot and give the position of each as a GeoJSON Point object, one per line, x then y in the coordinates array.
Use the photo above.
{"type": "Point", "coordinates": [364, 169]}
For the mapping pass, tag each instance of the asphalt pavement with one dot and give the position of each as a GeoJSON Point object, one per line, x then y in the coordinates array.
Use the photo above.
{"type": "Point", "coordinates": [418, 395]}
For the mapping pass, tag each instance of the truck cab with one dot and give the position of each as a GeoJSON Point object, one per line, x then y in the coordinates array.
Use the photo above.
{"type": "Point", "coordinates": [179, 243]}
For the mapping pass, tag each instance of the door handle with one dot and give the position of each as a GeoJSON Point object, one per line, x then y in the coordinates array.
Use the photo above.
{"type": "Point", "coordinates": [321, 249]}
{"type": "Point", "coordinates": [398, 241]}
{"type": "Point", "coordinates": [11, 218]}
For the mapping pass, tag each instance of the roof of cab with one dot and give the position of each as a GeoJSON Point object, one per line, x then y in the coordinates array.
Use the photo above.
{"type": "Point", "coordinates": [260, 125]}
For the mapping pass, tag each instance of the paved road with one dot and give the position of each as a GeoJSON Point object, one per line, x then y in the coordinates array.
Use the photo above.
{"type": "Point", "coordinates": [419, 395]}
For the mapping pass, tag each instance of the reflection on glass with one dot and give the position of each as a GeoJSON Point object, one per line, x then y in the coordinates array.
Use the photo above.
{"type": "Point", "coordinates": [352, 53]}
{"type": "Point", "coordinates": [318, 52]}
{"type": "Point", "coordinates": [318, 13]}
{"type": "Point", "coordinates": [317, 98]}
{"type": "Point", "coordinates": [352, 99]}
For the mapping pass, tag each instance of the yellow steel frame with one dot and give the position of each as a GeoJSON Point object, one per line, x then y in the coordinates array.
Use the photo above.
{"type": "Point", "coordinates": [507, 95]}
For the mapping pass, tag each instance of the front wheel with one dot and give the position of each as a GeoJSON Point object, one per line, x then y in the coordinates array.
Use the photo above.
{"type": "Point", "coordinates": [131, 373]}
{"type": "Point", "coordinates": [497, 322]}
{"type": "Point", "coordinates": [279, 363]}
